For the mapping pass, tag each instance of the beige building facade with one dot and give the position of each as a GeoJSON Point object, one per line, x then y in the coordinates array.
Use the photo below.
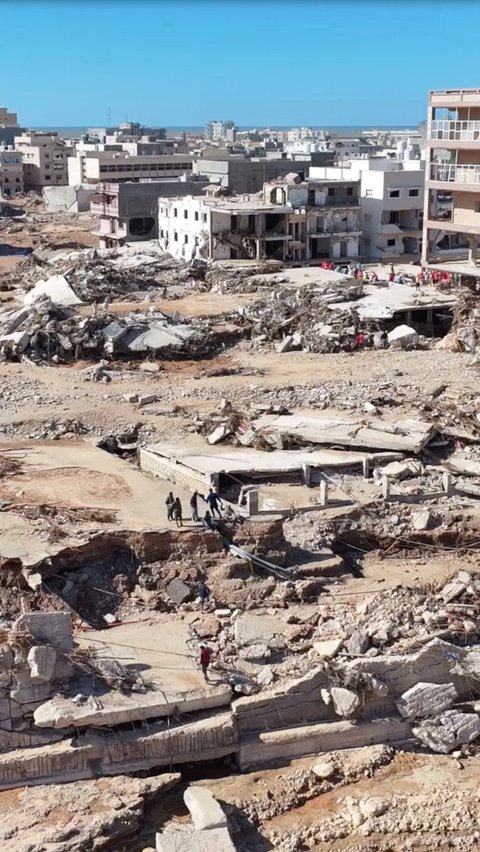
{"type": "Point", "coordinates": [11, 173]}
{"type": "Point", "coordinates": [91, 167]}
{"type": "Point", "coordinates": [44, 160]}
{"type": "Point", "coordinates": [451, 228]}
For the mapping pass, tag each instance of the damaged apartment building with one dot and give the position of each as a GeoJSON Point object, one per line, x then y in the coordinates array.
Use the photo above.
{"type": "Point", "coordinates": [128, 212]}
{"type": "Point", "coordinates": [294, 220]}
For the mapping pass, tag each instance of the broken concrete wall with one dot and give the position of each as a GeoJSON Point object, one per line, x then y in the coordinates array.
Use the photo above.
{"type": "Point", "coordinates": [177, 473]}
{"type": "Point", "coordinates": [292, 703]}
{"type": "Point", "coordinates": [109, 754]}
{"type": "Point", "coordinates": [34, 664]}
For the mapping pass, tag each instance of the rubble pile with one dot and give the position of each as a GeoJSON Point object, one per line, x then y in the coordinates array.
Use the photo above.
{"type": "Point", "coordinates": [464, 335]}
{"type": "Point", "coordinates": [302, 319]}
{"type": "Point", "coordinates": [47, 331]}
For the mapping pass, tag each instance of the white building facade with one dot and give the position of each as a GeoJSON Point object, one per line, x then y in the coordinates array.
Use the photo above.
{"type": "Point", "coordinates": [91, 167]}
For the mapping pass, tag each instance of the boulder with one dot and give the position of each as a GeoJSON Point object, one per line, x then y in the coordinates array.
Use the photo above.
{"type": "Point", "coordinates": [324, 770]}
{"type": "Point", "coordinates": [426, 699]}
{"type": "Point", "coordinates": [358, 642]}
{"type": "Point", "coordinates": [207, 626]}
{"type": "Point", "coordinates": [328, 648]}
{"type": "Point", "coordinates": [345, 702]}
{"type": "Point", "coordinates": [178, 591]}
{"type": "Point", "coordinates": [403, 335]}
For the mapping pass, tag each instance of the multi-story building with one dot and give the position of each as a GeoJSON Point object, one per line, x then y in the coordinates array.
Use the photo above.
{"type": "Point", "coordinates": [324, 220]}
{"type": "Point", "coordinates": [452, 186]}
{"type": "Point", "coordinates": [215, 130]}
{"type": "Point", "coordinates": [128, 212]}
{"type": "Point", "coordinates": [8, 127]}
{"type": "Point", "coordinates": [44, 159]}
{"type": "Point", "coordinates": [223, 228]}
{"type": "Point", "coordinates": [11, 173]}
{"type": "Point", "coordinates": [295, 220]}
{"type": "Point", "coordinates": [240, 174]}
{"type": "Point", "coordinates": [116, 166]}
{"type": "Point", "coordinates": [391, 201]}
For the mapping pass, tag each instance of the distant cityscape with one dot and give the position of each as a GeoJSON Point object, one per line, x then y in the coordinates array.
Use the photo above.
{"type": "Point", "coordinates": [294, 194]}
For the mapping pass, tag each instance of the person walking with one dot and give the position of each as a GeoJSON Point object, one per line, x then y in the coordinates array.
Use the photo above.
{"type": "Point", "coordinates": [194, 507]}
{"type": "Point", "coordinates": [214, 501]}
{"type": "Point", "coordinates": [177, 512]}
{"type": "Point", "coordinates": [205, 657]}
{"type": "Point", "coordinates": [203, 593]}
{"type": "Point", "coordinates": [169, 504]}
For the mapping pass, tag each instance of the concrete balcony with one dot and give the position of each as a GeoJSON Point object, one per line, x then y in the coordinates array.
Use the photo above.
{"type": "Point", "coordinates": [451, 173]}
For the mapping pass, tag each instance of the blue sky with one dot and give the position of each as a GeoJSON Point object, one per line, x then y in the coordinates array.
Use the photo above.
{"type": "Point", "coordinates": [291, 62]}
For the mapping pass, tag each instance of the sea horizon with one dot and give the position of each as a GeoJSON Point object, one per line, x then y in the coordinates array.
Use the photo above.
{"type": "Point", "coordinates": [66, 131]}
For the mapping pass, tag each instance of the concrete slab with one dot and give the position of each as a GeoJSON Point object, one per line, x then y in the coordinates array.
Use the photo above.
{"type": "Point", "coordinates": [157, 649]}
{"type": "Point", "coordinates": [409, 436]}
{"type": "Point", "coordinates": [56, 288]}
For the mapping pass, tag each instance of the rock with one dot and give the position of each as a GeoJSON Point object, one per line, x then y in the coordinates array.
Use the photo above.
{"type": "Point", "coordinates": [345, 702]}
{"type": "Point", "coordinates": [285, 345]}
{"type": "Point", "coordinates": [218, 434]}
{"type": "Point", "coordinates": [372, 806]}
{"type": "Point", "coordinates": [146, 399]}
{"type": "Point", "coordinates": [451, 591]}
{"type": "Point", "coordinates": [324, 770]}
{"type": "Point", "coordinates": [205, 811]}
{"type": "Point", "coordinates": [421, 520]}
{"type": "Point", "coordinates": [402, 470]}
{"type": "Point", "coordinates": [130, 397]}
{"type": "Point", "coordinates": [257, 651]}
{"type": "Point", "coordinates": [358, 642]}
{"type": "Point", "coordinates": [328, 648]}
{"type": "Point", "coordinates": [448, 731]}
{"type": "Point", "coordinates": [265, 676]}
{"type": "Point", "coordinates": [207, 626]}
{"type": "Point", "coordinates": [403, 335]}
{"type": "Point", "coordinates": [149, 367]}
{"type": "Point", "coordinates": [426, 699]}
{"type": "Point", "coordinates": [178, 591]}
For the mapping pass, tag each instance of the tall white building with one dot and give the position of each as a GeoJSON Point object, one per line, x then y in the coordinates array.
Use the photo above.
{"type": "Point", "coordinates": [215, 130]}
{"type": "Point", "coordinates": [391, 201]}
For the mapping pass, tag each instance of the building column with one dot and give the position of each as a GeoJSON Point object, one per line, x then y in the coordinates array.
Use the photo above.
{"type": "Point", "coordinates": [472, 251]}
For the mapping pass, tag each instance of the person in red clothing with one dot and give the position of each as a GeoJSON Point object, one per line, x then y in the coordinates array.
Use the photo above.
{"type": "Point", "coordinates": [205, 657]}
{"type": "Point", "coordinates": [360, 339]}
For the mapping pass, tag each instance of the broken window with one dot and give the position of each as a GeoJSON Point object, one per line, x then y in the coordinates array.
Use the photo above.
{"type": "Point", "coordinates": [331, 190]}
{"type": "Point", "coordinates": [393, 217]}
{"type": "Point", "coordinates": [140, 226]}
{"type": "Point", "coordinates": [390, 242]}
{"type": "Point", "coordinates": [394, 193]}
{"type": "Point", "coordinates": [311, 198]}
{"type": "Point", "coordinates": [233, 224]}
{"type": "Point", "coordinates": [349, 190]}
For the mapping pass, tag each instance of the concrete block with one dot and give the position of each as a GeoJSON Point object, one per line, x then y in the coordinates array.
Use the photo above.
{"type": "Point", "coordinates": [251, 628]}
{"type": "Point", "coordinates": [146, 399]}
{"type": "Point", "coordinates": [285, 345]}
{"type": "Point", "coordinates": [218, 434]}
{"type": "Point", "coordinates": [345, 702]}
{"type": "Point", "coordinates": [257, 651]}
{"type": "Point", "coordinates": [130, 397]}
{"type": "Point", "coordinates": [47, 628]}
{"type": "Point", "coordinates": [185, 839]}
{"type": "Point", "coordinates": [422, 520]}
{"type": "Point", "coordinates": [204, 808]}
{"type": "Point", "coordinates": [426, 699]}
{"type": "Point", "coordinates": [178, 591]}
{"type": "Point", "coordinates": [327, 648]}
{"type": "Point", "coordinates": [403, 335]}
{"type": "Point", "coordinates": [26, 691]}
{"type": "Point", "coordinates": [448, 731]}
{"type": "Point", "coordinates": [323, 770]}
{"type": "Point", "coordinates": [42, 659]}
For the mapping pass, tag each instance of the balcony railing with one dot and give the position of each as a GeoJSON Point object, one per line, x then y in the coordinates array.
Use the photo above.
{"type": "Point", "coordinates": [453, 131]}
{"type": "Point", "coordinates": [455, 174]}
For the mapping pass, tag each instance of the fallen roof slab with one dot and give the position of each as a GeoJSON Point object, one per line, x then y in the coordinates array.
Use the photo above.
{"type": "Point", "coordinates": [56, 288]}
{"type": "Point", "coordinates": [262, 462]}
{"type": "Point", "coordinates": [406, 436]}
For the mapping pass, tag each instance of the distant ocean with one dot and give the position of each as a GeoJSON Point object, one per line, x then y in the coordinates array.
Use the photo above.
{"type": "Point", "coordinates": [79, 131]}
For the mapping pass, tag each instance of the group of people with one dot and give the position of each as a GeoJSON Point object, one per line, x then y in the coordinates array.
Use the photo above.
{"type": "Point", "coordinates": [214, 507]}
